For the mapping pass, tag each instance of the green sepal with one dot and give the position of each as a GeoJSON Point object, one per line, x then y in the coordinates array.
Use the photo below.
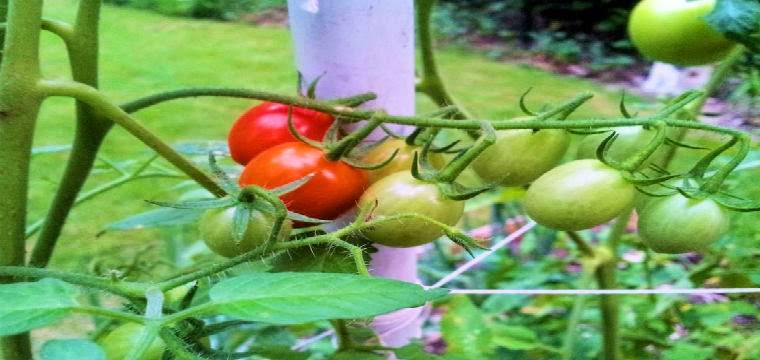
{"type": "Point", "coordinates": [649, 181]}
{"type": "Point", "coordinates": [303, 218]}
{"type": "Point", "coordinates": [455, 191]}
{"type": "Point", "coordinates": [467, 242]}
{"type": "Point", "coordinates": [240, 221]}
{"type": "Point", "coordinates": [523, 107]}
{"type": "Point", "coordinates": [677, 143]}
{"type": "Point", "coordinates": [736, 204]}
{"type": "Point", "coordinates": [648, 192]}
{"type": "Point", "coordinates": [198, 204]}
{"type": "Point", "coordinates": [226, 183]}
{"type": "Point", "coordinates": [291, 186]}
{"type": "Point", "coordinates": [333, 132]}
{"type": "Point", "coordinates": [604, 147]}
{"type": "Point", "coordinates": [586, 132]}
{"type": "Point", "coordinates": [311, 91]}
{"type": "Point", "coordinates": [699, 169]}
{"type": "Point", "coordinates": [299, 136]}
{"type": "Point", "coordinates": [361, 165]}
{"type": "Point", "coordinates": [623, 109]}
{"type": "Point", "coordinates": [678, 103]}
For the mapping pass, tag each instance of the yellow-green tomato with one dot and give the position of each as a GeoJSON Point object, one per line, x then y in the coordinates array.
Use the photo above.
{"type": "Point", "coordinates": [520, 156]}
{"type": "Point", "coordinates": [119, 342]}
{"type": "Point", "coordinates": [402, 161]}
{"type": "Point", "coordinates": [401, 193]}
{"type": "Point", "coordinates": [676, 224]}
{"type": "Point", "coordinates": [578, 195]}
{"type": "Point", "coordinates": [216, 230]}
{"type": "Point", "coordinates": [630, 140]}
{"type": "Point", "coordinates": [676, 32]}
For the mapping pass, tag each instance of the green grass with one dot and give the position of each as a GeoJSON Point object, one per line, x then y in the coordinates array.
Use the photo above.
{"type": "Point", "coordinates": [144, 53]}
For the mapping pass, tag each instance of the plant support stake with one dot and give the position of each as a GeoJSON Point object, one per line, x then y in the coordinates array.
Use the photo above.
{"type": "Point", "coordinates": [357, 46]}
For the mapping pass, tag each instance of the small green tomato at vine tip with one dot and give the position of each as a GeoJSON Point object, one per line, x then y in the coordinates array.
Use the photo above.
{"type": "Point", "coordinates": [216, 230]}
{"type": "Point", "coordinates": [401, 193]}
{"type": "Point", "coordinates": [677, 224]}
{"type": "Point", "coordinates": [119, 342]}
{"type": "Point", "coordinates": [578, 195]}
{"type": "Point", "coordinates": [676, 32]}
{"type": "Point", "coordinates": [520, 156]}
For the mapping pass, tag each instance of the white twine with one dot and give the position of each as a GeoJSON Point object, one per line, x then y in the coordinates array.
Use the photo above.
{"type": "Point", "coordinates": [474, 261]}
{"type": "Point", "coordinates": [697, 291]}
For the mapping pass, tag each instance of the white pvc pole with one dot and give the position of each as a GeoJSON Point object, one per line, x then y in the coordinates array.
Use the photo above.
{"type": "Point", "coordinates": [358, 46]}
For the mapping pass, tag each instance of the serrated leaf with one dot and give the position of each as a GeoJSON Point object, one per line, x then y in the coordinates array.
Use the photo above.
{"type": "Point", "coordinates": [53, 300]}
{"type": "Point", "coordinates": [317, 258]}
{"type": "Point", "coordinates": [72, 349]}
{"type": "Point", "coordinates": [163, 217]}
{"type": "Point", "coordinates": [465, 331]}
{"type": "Point", "coordinates": [295, 298]}
{"type": "Point", "coordinates": [738, 20]}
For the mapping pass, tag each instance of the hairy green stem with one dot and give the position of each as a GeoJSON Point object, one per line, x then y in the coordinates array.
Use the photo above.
{"type": "Point", "coordinates": [341, 332]}
{"type": "Point", "coordinates": [19, 105]}
{"type": "Point", "coordinates": [574, 319]}
{"type": "Point", "coordinates": [112, 314]}
{"type": "Point", "coordinates": [123, 288]}
{"type": "Point", "coordinates": [581, 244]}
{"type": "Point", "coordinates": [107, 109]}
{"type": "Point", "coordinates": [717, 78]}
{"type": "Point", "coordinates": [606, 279]}
{"type": "Point", "coordinates": [431, 83]}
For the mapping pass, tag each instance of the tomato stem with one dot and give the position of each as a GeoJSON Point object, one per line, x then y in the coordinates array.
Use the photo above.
{"type": "Point", "coordinates": [712, 185]}
{"type": "Point", "coordinates": [452, 170]}
{"type": "Point", "coordinates": [636, 160]}
{"type": "Point", "coordinates": [343, 147]}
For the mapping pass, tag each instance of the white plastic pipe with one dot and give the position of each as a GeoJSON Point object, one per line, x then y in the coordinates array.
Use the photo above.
{"type": "Point", "coordinates": [359, 46]}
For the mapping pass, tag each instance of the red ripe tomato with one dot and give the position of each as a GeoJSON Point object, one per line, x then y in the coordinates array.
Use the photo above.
{"type": "Point", "coordinates": [333, 189]}
{"type": "Point", "coordinates": [266, 125]}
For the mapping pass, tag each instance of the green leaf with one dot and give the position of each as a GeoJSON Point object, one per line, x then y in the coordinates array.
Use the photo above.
{"type": "Point", "coordinates": [415, 351]}
{"type": "Point", "coordinates": [317, 258]}
{"type": "Point", "coordinates": [294, 298]}
{"type": "Point", "coordinates": [465, 330]}
{"type": "Point", "coordinates": [278, 353]}
{"type": "Point", "coordinates": [686, 351]}
{"type": "Point", "coordinates": [738, 20]}
{"type": "Point", "coordinates": [72, 349]}
{"type": "Point", "coordinates": [31, 305]}
{"type": "Point", "coordinates": [163, 217]}
{"type": "Point", "coordinates": [50, 149]}
{"type": "Point", "coordinates": [514, 337]}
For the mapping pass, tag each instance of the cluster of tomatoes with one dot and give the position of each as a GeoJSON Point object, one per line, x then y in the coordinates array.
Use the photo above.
{"type": "Point", "coordinates": [577, 195]}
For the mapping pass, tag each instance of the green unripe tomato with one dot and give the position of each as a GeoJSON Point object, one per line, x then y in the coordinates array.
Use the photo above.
{"type": "Point", "coordinates": [630, 140]}
{"type": "Point", "coordinates": [676, 32]}
{"type": "Point", "coordinates": [676, 224]}
{"type": "Point", "coordinates": [119, 342]}
{"type": "Point", "coordinates": [578, 195]}
{"type": "Point", "coordinates": [401, 193]}
{"type": "Point", "coordinates": [216, 230]}
{"type": "Point", "coordinates": [520, 156]}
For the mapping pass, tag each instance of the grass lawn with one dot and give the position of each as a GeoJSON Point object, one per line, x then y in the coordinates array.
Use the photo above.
{"type": "Point", "coordinates": [144, 53]}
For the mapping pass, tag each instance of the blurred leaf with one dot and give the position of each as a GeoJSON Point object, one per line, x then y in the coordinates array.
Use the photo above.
{"type": "Point", "coordinates": [686, 351]}
{"type": "Point", "coordinates": [163, 217]}
{"type": "Point", "coordinates": [465, 330]}
{"type": "Point", "coordinates": [357, 355]}
{"type": "Point", "coordinates": [294, 298]}
{"type": "Point", "coordinates": [30, 305]}
{"type": "Point", "coordinates": [415, 351]}
{"type": "Point", "coordinates": [738, 20]}
{"type": "Point", "coordinates": [49, 149]}
{"type": "Point", "coordinates": [72, 349]}
{"type": "Point", "coordinates": [514, 337]}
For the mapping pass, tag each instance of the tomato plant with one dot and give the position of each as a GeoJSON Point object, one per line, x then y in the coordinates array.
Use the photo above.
{"type": "Point", "coordinates": [216, 228]}
{"type": "Point", "coordinates": [333, 189]}
{"type": "Point", "coordinates": [675, 31]}
{"type": "Point", "coordinates": [520, 156]}
{"type": "Point", "coordinates": [401, 193]}
{"type": "Point", "coordinates": [266, 125]}
{"type": "Point", "coordinates": [676, 224]}
{"type": "Point", "coordinates": [402, 161]}
{"type": "Point", "coordinates": [121, 340]}
{"type": "Point", "coordinates": [578, 195]}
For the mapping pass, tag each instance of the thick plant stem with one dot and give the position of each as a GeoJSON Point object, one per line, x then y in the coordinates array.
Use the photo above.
{"type": "Point", "coordinates": [606, 279]}
{"type": "Point", "coordinates": [107, 109]}
{"type": "Point", "coordinates": [432, 84]}
{"type": "Point", "coordinates": [91, 129]}
{"type": "Point", "coordinates": [19, 105]}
